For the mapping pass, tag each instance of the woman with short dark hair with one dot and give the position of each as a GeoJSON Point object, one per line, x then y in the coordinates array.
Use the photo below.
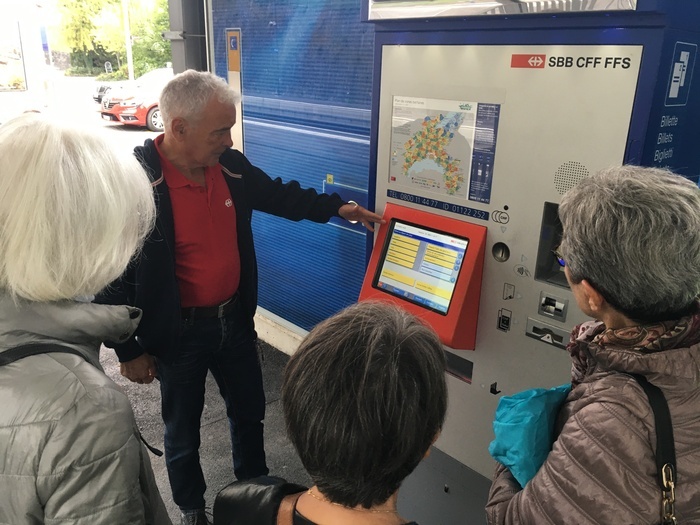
{"type": "Point", "coordinates": [364, 397]}
{"type": "Point", "coordinates": [631, 254]}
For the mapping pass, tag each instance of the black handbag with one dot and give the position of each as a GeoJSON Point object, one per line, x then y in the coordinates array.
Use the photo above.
{"type": "Point", "coordinates": [262, 501]}
{"type": "Point", "coordinates": [665, 449]}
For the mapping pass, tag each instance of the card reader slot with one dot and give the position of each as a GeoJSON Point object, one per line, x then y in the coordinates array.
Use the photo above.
{"type": "Point", "coordinates": [552, 306]}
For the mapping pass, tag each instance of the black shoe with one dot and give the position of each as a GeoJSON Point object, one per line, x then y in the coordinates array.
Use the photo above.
{"type": "Point", "coordinates": [194, 518]}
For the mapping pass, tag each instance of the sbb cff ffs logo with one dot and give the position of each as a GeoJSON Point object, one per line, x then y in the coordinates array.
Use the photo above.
{"type": "Point", "coordinates": [590, 62]}
{"type": "Point", "coordinates": [533, 61]}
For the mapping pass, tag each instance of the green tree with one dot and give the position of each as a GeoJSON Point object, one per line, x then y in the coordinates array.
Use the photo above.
{"type": "Point", "coordinates": [108, 31]}
{"type": "Point", "coordinates": [150, 49]}
{"type": "Point", "coordinates": [93, 31]}
{"type": "Point", "coordinates": [78, 26]}
{"type": "Point", "coordinates": [148, 21]}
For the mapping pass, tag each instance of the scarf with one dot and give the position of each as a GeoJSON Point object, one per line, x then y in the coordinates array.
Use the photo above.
{"type": "Point", "coordinates": [645, 339]}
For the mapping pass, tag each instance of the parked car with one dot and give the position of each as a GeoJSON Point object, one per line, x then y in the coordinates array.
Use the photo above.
{"type": "Point", "coordinates": [136, 104]}
{"type": "Point", "coordinates": [100, 89]}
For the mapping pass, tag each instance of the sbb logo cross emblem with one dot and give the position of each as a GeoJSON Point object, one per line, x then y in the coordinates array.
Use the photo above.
{"type": "Point", "coordinates": [528, 61]}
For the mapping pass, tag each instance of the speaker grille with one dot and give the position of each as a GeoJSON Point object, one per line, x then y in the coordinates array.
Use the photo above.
{"type": "Point", "coordinates": [569, 175]}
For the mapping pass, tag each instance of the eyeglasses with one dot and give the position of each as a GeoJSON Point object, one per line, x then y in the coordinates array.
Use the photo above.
{"type": "Point", "coordinates": [559, 257]}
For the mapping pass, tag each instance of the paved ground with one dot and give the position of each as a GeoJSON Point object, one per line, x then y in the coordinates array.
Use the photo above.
{"type": "Point", "coordinates": [215, 451]}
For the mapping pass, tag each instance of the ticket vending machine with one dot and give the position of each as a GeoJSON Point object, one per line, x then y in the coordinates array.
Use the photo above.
{"type": "Point", "coordinates": [480, 124]}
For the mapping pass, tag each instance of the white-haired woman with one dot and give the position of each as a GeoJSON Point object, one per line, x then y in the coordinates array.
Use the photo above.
{"type": "Point", "coordinates": [631, 251]}
{"type": "Point", "coordinates": [72, 214]}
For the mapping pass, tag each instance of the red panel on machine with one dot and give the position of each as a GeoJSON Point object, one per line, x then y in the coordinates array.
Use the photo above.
{"type": "Point", "coordinates": [431, 266]}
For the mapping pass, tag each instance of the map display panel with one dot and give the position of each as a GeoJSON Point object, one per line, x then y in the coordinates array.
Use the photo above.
{"type": "Point", "coordinates": [445, 147]}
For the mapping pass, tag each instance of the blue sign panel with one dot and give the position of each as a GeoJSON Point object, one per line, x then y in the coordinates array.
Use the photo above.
{"type": "Point", "coordinates": [233, 43]}
{"type": "Point", "coordinates": [673, 133]}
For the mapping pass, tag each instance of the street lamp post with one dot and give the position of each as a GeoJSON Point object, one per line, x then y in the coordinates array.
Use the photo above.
{"type": "Point", "coordinates": [127, 39]}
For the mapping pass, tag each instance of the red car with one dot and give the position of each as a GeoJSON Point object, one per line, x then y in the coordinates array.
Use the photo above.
{"type": "Point", "coordinates": [137, 105]}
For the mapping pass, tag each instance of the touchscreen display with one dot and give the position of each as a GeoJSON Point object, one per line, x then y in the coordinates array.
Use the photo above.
{"type": "Point", "coordinates": [420, 265]}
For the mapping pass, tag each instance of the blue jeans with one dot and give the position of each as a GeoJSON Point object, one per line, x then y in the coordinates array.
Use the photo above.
{"type": "Point", "coordinates": [227, 347]}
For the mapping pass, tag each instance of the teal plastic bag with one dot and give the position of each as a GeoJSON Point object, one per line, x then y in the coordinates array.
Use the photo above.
{"type": "Point", "coordinates": [524, 429]}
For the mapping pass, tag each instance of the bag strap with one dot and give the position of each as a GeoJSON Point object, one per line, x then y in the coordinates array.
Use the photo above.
{"type": "Point", "coordinates": [20, 352]}
{"type": "Point", "coordinates": [285, 514]}
{"type": "Point", "coordinates": [665, 448]}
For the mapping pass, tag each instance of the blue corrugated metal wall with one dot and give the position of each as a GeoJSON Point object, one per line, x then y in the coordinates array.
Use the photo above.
{"type": "Point", "coordinates": [306, 73]}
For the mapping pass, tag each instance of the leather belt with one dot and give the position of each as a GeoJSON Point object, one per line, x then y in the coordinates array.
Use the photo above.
{"type": "Point", "coordinates": [208, 312]}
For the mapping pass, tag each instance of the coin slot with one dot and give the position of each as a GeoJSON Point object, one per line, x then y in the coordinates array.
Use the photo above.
{"type": "Point", "coordinates": [500, 252]}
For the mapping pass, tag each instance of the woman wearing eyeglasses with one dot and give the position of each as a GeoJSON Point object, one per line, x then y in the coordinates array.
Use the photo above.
{"type": "Point", "coordinates": [631, 251]}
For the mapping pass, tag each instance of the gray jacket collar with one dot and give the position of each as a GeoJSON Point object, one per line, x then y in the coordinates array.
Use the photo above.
{"type": "Point", "coordinates": [81, 325]}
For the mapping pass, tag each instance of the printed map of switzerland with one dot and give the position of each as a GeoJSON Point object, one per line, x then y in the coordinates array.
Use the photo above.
{"type": "Point", "coordinates": [426, 153]}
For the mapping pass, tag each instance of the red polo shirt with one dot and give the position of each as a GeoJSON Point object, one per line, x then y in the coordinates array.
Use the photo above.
{"type": "Point", "coordinates": [207, 262]}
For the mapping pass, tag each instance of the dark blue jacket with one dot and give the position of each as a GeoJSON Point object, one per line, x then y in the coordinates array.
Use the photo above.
{"type": "Point", "coordinates": [150, 283]}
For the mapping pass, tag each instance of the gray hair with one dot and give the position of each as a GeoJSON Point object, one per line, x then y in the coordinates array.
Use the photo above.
{"type": "Point", "coordinates": [187, 94]}
{"type": "Point", "coordinates": [634, 234]}
{"type": "Point", "coordinates": [72, 210]}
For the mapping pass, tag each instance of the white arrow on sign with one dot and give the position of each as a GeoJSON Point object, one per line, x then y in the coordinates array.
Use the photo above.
{"type": "Point", "coordinates": [535, 61]}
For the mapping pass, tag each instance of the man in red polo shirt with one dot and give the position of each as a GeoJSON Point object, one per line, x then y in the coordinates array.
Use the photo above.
{"type": "Point", "coordinates": [196, 279]}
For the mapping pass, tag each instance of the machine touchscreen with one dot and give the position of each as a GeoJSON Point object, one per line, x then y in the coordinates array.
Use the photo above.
{"type": "Point", "coordinates": [420, 265]}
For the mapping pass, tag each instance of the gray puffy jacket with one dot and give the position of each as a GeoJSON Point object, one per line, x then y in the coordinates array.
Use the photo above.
{"type": "Point", "coordinates": [602, 469]}
{"type": "Point", "coordinates": [69, 447]}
